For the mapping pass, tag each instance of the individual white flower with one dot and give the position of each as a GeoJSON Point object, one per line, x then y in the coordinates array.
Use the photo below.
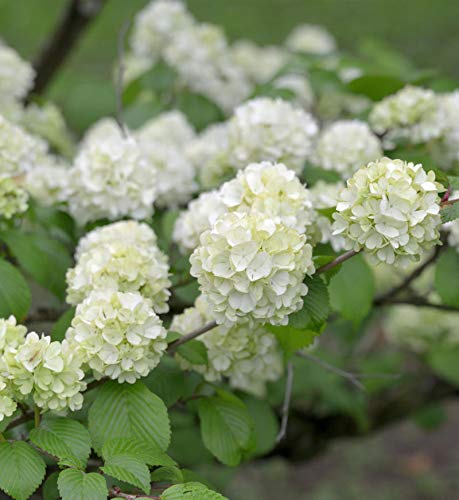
{"type": "Point", "coordinates": [260, 63]}
{"type": "Point", "coordinates": [272, 130]}
{"type": "Point", "coordinates": [170, 127]}
{"type": "Point", "coordinates": [118, 335]}
{"type": "Point", "coordinates": [209, 154]}
{"type": "Point", "coordinates": [391, 209]}
{"type": "Point", "coordinates": [156, 24]}
{"type": "Point", "coordinates": [251, 268]}
{"type": "Point", "coordinates": [13, 198]}
{"type": "Point", "coordinates": [16, 75]}
{"type": "Point", "coordinates": [420, 329]}
{"type": "Point", "coordinates": [130, 232]}
{"type": "Point", "coordinates": [311, 39]}
{"type": "Point", "coordinates": [120, 265]}
{"type": "Point", "coordinates": [272, 190]}
{"type": "Point", "coordinates": [12, 335]}
{"type": "Point", "coordinates": [174, 173]}
{"type": "Point", "coordinates": [248, 356]}
{"type": "Point", "coordinates": [48, 182]}
{"type": "Point", "coordinates": [345, 146]}
{"type": "Point", "coordinates": [111, 179]}
{"type": "Point", "coordinates": [201, 57]}
{"type": "Point", "coordinates": [412, 114]}
{"type": "Point", "coordinates": [199, 216]}
{"type": "Point", "coordinates": [19, 151]}
{"type": "Point", "coordinates": [299, 85]}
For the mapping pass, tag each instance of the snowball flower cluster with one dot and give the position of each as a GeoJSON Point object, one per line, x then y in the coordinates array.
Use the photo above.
{"type": "Point", "coordinates": [48, 182]}
{"type": "Point", "coordinates": [413, 114]}
{"type": "Point", "coordinates": [390, 208]}
{"type": "Point", "coordinates": [311, 39]}
{"type": "Point", "coordinates": [13, 199]}
{"type": "Point", "coordinates": [170, 127]}
{"type": "Point", "coordinates": [16, 75]}
{"type": "Point", "coordinates": [118, 335]}
{"type": "Point", "coordinates": [345, 146]}
{"type": "Point", "coordinates": [111, 179]}
{"type": "Point", "coordinates": [273, 130]}
{"type": "Point", "coordinates": [19, 151]}
{"type": "Point", "coordinates": [248, 356]}
{"type": "Point", "coordinates": [299, 85]}
{"type": "Point", "coordinates": [251, 268]}
{"type": "Point", "coordinates": [118, 260]}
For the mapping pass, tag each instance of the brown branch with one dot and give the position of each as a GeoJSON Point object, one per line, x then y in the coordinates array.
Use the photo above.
{"type": "Point", "coordinates": [336, 262]}
{"type": "Point", "coordinates": [26, 417]}
{"type": "Point", "coordinates": [449, 202]}
{"type": "Point", "coordinates": [190, 336]}
{"type": "Point", "coordinates": [115, 492]}
{"type": "Point", "coordinates": [416, 301]}
{"type": "Point", "coordinates": [72, 24]}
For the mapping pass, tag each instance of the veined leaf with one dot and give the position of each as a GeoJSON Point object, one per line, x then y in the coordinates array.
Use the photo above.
{"type": "Point", "coordinates": [75, 484]}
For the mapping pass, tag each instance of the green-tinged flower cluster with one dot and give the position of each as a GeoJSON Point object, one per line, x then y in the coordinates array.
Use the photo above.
{"type": "Point", "coordinates": [248, 356]}
{"type": "Point", "coordinates": [16, 76]}
{"type": "Point", "coordinates": [391, 209]}
{"type": "Point", "coordinates": [49, 182]}
{"type": "Point", "coordinates": [118, 335]}
{"type": "Point", "coordinates": [13, 198]}
{"type": "Point", "coordinates": [311, 39]}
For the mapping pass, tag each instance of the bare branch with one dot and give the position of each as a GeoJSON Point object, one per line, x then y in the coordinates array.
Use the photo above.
{"type": "Point", "coordinates": [336, 262]}
{"type": "Point", "coordinates": [418, 302]}
{"type": "Point", "coordinates": [286, 405]}
{"type": "Point", "coordinates": [190, 336]}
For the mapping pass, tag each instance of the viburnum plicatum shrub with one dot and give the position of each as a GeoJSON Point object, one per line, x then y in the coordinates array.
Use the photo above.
{"type": "Point", "coordinates": [252, 209]}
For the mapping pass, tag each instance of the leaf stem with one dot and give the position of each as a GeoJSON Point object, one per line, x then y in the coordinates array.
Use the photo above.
{"type": "Point", "coordinates": [36, 416]}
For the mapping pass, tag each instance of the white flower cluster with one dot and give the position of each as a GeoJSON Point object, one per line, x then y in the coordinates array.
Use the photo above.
{"type": "Point", "coordinates": [33, 365]}
{"type": "Point", "coordinates": [345, 146]}
{"type": "Point", "coordinates": [412, 114]}
{"type": "Point", "coordinates": [111, 178]}
{"type": "Point", "coordinates": [311, 39]}
{"type": "Point", "coordinates": [13, 198]}
{"type": "Point", "coordinates": [390, 208]}
{"type": "Point", "coordinates": [272, 130]}
{"type": "Point", "coordinates": [122, 257]}
{"type": "Point", "coordinates": [16, 76]}
{"type": "Point", "coordinates": [48, 182]}
{"type": "Point", "coordinates": [299, 85]}
{"type": "Point", "coordinates": [118, 335]}
{"type": "Point", "coordinates": [171, 127]}
{"type": "Point", "coordinates": [248, 356]}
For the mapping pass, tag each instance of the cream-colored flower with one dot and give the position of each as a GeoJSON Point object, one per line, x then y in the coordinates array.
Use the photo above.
{"type": "Point", "coordinates": [13, 198]}
{"type": "Point", "coordinates": [299, 85]}
{"type": "Point", "coordinates": [49, 181]}
{"type": "Point", "coordinates": [170, 127]}
{"type": "Point", "coordinates": [16, 75]}
{"type": "Point", "coordinates": [311, 39]}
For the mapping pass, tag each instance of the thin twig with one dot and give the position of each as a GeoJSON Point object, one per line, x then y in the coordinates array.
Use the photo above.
{"type": "Point", "coordinates": [286, 404]}
{"type": "Point", "coordinates": [190, 336]}
{"type": "Point", "coordinates": [449, 202]}
{"type": "Point", "coordinates": [336, 262]}
{"type": "Point", "coordinates": [36, 416]}
{"type": "Point", "coordinates": [120, 77]}
{"type": "Point", "coordinates": [418, 302]}
{"type": "Point", "coordinates": [115, 492]}
{"type": "Point", "coordinates": [20, 420]}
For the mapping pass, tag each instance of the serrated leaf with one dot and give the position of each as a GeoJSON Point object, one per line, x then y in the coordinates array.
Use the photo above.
{"type": "Point", "coordinates": [194, 351]}
{"type": "Point", "coordinates": [453, 182]}
{"type": "Point", "coordinates": [75, 484]}
{"type": "Point", "coordinates": [266, 425]}
{"type": "Point", "coordinates": [190, 491]}
{"type": "Point", "coordinates": [64, 438]}
{"type": "Point", "coordinates": [128, 469]}
{"type": "Point", "coordinates": [226, 427]}
{"type": "Point", "coordinates": [167, 381]}
{"type": "Point", "coordinates": [443, 360]}
{"type": "Point", "coordinates": [449, 212]}
{"type": "Point", "coordinates": [22, 469]}
{"type": "Point", "coordinates": [292, 339]}
{"type": "Point", "coordinates": [167, 474]}
{"type": "Point", "coordinates": [15, 296]}
{"type": "Point", "coordinates": [125, 411]}
{"type": "Point", "coordinates": [446, 273]}
{"type": "Point", "coordinates": [49, 489]}
{"type": "Point", "coordinates": [146, 452]}
{"type": "Point", "coordinates": [61, 326]}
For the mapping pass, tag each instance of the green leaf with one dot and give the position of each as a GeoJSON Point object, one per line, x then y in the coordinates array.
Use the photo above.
{"type": "Point", "coordinates": [61, 326]}
{"type": "Point", "coordinates": [352, 289]}
{"type": "Point", "coordinates": [168, 474]}
{"type": "Point", "coordinates": [75, 484]}
{"type": "Point", "coordinates": [167, 381]}
{"type": "Point", "coordinates": [266, 425]}
{"type": "Point", "coordinates": [146, 452]}
{"type": "Point", "coordinates": [128, 469]}
{"type": "Point", "coordinates": [194, 351]}
{"type": "Point", "coordinates": [453, 182]}
{"type": "Point", "coordinates": [44, 259]}
{"type": "Point", "coordinates": [22, 469]}
{"type": "Point", "coordinates": [450, 212]}
{"type": "Point", "coordinates": [316, 306]}
{"type": "Point", "coordinates": [293, 339]}
{"type": "Point", "coordinates": [199, 110]}
{"type": "Point", "coordinates": [446, 282]}
{"type": "Point", "coordinates": [190, 491]}
{"type": "Point", "coordinates": [375, 87]}
{"type": "Point", "coordinates": [49, 488]}
{"type": "Point", "coordinates": [64, 438]}
{"type": "Point", "coordinates": [125, 411]}
{"type": "Point", "coordinates": [226, 426]}
{"type": "Point", "coordinates": [443, 360]}
{"type": "Point", "coordinates": [15, 296]}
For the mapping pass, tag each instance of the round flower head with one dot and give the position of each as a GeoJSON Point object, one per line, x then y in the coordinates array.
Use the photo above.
{"type": "Point", "coordinates": [199, 216]}
{"type": "Point", "coordinates": [412, 114]}
{"type": "Point", "coordinates": [48, 182]}
{"type": "Point", "coordinates": [12, 335]}
{"type": "Point", "coordinates": [19, 151]}
{"type": "Point", "coordinates": [157, 24]}
{"type": "Point", "coordinates": [174, 173]}
{"type": "Point", "coordinates": [272, 130]}
{"type": "Point", "coordinates": [171, 127]}
{"type": "Point", "coordinates": [210, 156]}
{"type": "Point", "coordinates": [118, 335]}
{"type": "Point", "coordinates": [251, 268]}
{"type": "Point", "coordinates": [111, 179]}
{"type": "Point", "coordinates": [7, 404]}
{"type": "Point", "coordinates": [391, 209]}
{"type": "Point", "coordinates": [273, 190]}
{"type": "Point", "coordinates": [311, 39]}
{"type": "Point", "coordinates": [120, 265]}
{"type": "Point", "coordinates": [13, 199]}
{"type": "Point", "coordinates": [248, 356]}
{"type": "Point", "coordinates": [299, 85]}
{"type": "Point", "coordinates": [346, 146]}
{"type": "Point", "coordinates": [100, 131]}
{"type": "Point", "coordinates": [420, 329]}
{"type": "Point", "coordinates": [16, 75]}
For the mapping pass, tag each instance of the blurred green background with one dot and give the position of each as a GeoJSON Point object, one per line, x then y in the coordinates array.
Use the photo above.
{"type": "Point", "coordinates": [425, 30]}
